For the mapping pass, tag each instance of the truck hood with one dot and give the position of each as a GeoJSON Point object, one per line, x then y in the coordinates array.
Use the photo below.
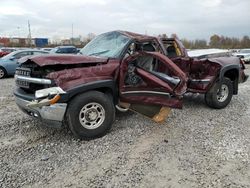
{"type": "Point", "coordinates": [44, 60]}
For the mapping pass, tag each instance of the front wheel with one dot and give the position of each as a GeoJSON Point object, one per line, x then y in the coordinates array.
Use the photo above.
{"type": "Point", "coordinates": [2, 72]}
{"type": "Point", "coordinates": [216, 99]}
{"type": "Point", "coordinates": [90, 115]}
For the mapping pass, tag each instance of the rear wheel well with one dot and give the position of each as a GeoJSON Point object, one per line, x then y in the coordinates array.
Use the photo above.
{"type": "Point", "coordinates": [233, 75]}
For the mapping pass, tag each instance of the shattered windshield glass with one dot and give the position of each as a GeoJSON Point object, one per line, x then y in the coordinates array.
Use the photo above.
{"type": "Point", "coordinates": [106, 45]}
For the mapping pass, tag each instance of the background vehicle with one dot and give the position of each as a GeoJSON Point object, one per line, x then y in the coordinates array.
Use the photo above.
{"type": "Point", "coordinates": [123, 70]}
{"type": "Point", "coordinates": [209, 53]}
{"type": "Point", "coordinates": [5, 51]}
{"type": "Point", "coordinates": [244, 54]}
{"type": "Point", "coordinates": [47, 49]}
{"type": "Point", "coordinates": [9, 63]}
{"type": "Point", "coordinates": [64, 50]}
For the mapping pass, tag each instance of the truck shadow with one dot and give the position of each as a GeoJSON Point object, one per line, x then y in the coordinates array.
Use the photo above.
{"type": "Point", "coordinates": [194, 100]}
{"type": "Point", "coordinates": [190, 100]}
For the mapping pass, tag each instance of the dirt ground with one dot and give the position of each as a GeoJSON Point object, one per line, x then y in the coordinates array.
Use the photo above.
{"type": "Point", "coordinates": [195, 147]}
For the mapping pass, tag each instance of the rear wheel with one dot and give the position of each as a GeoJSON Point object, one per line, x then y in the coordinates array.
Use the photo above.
{"type": "Point", "coordinates": [2, 72]}
{"type": "Point", "coordinates": [220, 95]}
{"type": "Point", "coordinates": [90, 115]}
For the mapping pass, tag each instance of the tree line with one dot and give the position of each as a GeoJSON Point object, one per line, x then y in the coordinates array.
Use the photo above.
{"type": "Point", "coordinates": [217, 41]}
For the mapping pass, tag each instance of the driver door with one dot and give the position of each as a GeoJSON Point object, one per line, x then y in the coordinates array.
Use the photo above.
{"type": "Point", "coordinates": [150, 81]}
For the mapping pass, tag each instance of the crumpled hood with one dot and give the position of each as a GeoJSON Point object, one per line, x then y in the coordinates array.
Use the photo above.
{"type": "Point", "coordinates": [43, 60]}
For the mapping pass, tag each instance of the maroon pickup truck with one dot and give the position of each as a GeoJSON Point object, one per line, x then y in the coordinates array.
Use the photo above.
{"type": "Point", "coordinates": [117, 68]}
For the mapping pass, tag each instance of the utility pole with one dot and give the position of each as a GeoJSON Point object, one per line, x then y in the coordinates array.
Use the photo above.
{"type": "Point", "coordinates": [29, 36]}
{"type": "Point", "coordinates": [18, 29]}
{"type": "Point", "coordinates": [72, 34]}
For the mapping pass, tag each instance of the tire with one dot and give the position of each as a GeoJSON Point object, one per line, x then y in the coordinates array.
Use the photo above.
{"type": "Point", "coordinates": [214, 100]}
{"type": "Point", "coordinates": [90, 115]}
{"type": "Point", "coordinates": [2, 72]}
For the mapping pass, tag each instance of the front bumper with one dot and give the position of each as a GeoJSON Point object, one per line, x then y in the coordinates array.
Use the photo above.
{"type": "Point", "coordinates": [52, 115]}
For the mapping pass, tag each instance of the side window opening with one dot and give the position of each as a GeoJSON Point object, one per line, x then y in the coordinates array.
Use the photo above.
{"type": "Point", "coordinates": [22, 54]}
{"type": "Point", "coordinates": [38, 53]}
{"type": "Point", "coordinates": [148, 47]}
{"type": "Point", "coordinates": [141, 47]}
{"type": "Point", "coordinates": [146, 62]}
{"type": "Point", "coordinates": [152, 65]}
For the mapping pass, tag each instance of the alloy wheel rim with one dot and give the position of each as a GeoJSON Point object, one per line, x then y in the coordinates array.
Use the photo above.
{"type": "Point", "coordinates": [92, 115]}
{"type": "Point", "coordinates": [1, 73]}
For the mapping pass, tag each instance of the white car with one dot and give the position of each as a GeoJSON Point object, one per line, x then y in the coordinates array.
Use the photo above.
{"type": "Point", "coordinates": [244, 54]}
{"type": "Point", "coordinates": [208, 53]}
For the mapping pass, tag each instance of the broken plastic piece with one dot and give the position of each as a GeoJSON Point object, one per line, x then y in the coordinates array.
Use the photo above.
{"type": "Point", "coordinates": [162, 115]}
{"type": "Point", "coordinates": [48, 91]}
{"type": "Point", "coordinates": [156, 113]}
{"type": "Point", "coordinates": [44, 102]}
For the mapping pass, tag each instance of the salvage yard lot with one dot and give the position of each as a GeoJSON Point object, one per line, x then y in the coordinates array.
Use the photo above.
{"type": "Point", "coordinates": [195, 147]}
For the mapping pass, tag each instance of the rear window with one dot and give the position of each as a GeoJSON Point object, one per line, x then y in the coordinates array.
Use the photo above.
{"type": "Point", "coordinates": [39, 53]}
{"type": "Point", "coordinates": [67, 50]}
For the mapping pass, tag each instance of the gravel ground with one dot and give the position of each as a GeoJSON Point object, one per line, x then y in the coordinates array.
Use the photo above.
{"type": "Point", "coordinates": [195, 147]}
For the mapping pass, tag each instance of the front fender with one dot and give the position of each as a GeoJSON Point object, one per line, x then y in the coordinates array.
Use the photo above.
{"type": "Point", "coordinates": [101, 85]}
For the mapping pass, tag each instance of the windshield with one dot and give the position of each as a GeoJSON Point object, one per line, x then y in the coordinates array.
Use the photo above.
{"type": "Point", "coordinates": [106, 45]}
{"type": "Point", "coordinates": [245, 51]}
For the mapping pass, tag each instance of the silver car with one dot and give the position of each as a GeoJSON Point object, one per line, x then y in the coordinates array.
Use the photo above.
{"type": "Point", "coordinates": [244, 54]}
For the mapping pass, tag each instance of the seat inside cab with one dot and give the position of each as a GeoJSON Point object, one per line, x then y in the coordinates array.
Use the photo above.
{"type": "Point", "coordinates": [172, 48]}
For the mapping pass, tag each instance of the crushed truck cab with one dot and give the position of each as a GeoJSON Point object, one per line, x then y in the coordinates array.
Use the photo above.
{"type": "Point", "coordinates": [121, 70]}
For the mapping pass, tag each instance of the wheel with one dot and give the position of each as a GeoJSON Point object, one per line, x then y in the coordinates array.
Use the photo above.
{"type": "Point", "coordinates": [217, 100]}
{"type": "Point", "coordinates": [2, 72]}
{"type": "Point", "coordinates": [90, 115]}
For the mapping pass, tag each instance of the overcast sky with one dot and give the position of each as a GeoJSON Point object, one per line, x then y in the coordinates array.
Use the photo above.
{"type": "Point", "coordinates": [187, 18]}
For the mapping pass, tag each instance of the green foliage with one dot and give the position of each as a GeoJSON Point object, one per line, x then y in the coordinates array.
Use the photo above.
{"type": "Point", "coordinates": [217, 41]}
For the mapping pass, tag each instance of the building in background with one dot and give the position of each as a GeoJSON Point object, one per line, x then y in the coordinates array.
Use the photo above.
{"type": "Point", "coordinates": [24, 42]}
{"type": "Point", "coordinates": [4, 41]}
{"type": "Point", "coordinates": [41, 42]}
{"type": "Point", "coordinates": [66, 42]}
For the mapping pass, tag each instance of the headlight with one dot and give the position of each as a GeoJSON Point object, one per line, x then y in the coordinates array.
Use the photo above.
{"type": "Point", "coordinates": [48, 91]}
